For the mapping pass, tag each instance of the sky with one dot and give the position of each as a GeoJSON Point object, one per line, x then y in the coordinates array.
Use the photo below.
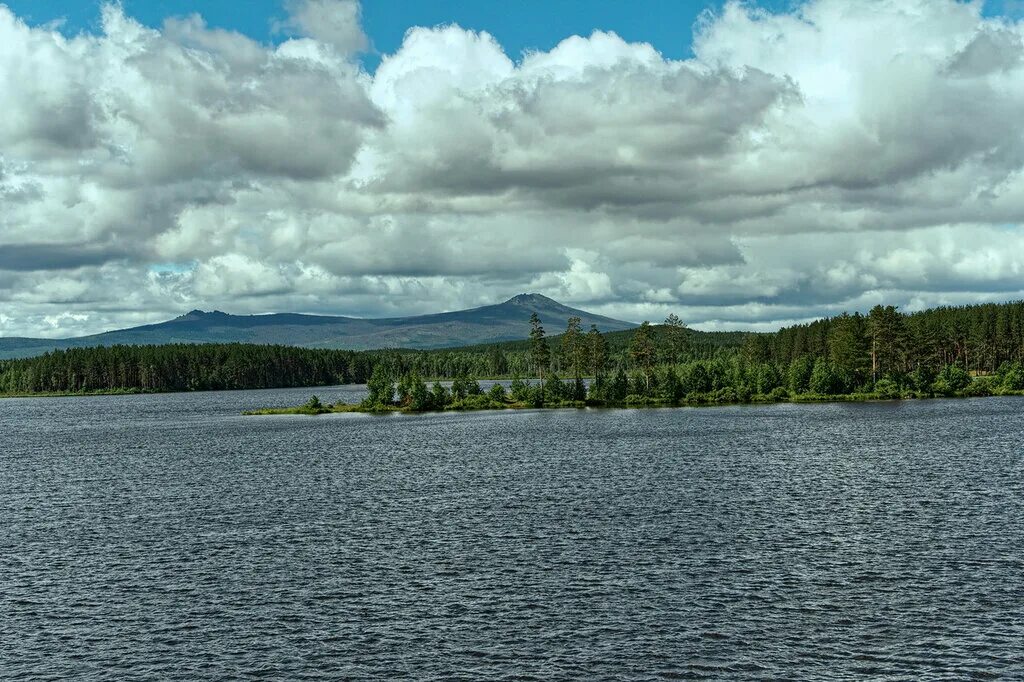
{"type": "Point", "coordinates": [743, 165]}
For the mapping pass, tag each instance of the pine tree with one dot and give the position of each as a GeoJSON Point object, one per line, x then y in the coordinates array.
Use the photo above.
{"type": "Point", "coordinates": [597, 352]}
{"type": "Point", "coordinates": [540, 354]}
{"type": "Point", "coordinates": [574, 351]}
{"type": "Point", "coordinates": [676, 339]}
{"type": "Point", "coordinates": [641, 349]}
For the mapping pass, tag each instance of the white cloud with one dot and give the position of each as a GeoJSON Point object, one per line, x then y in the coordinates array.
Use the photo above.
{"type": "Point", "coordinates": [800, 164]}
{"type": "Point", "coordinates": [334, 22]}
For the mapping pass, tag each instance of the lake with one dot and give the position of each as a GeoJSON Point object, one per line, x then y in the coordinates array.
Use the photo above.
{"type": "Point", "coordinates": [168, 537]}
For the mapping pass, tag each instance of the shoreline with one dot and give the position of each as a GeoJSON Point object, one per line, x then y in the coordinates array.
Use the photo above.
{"type": "Point", "coordinates": [807, 399]}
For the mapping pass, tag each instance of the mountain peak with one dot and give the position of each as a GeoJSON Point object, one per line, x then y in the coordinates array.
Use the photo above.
{"type": "Point", "coordinates": [200, 315]}
{"type": "Point", "coordinates": [532, 299]}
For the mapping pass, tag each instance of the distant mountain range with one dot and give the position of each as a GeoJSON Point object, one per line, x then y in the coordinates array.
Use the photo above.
{"type": "Point", "coordinates": [502, 322]}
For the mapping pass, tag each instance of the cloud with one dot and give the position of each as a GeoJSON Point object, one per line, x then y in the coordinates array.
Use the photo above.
{"type": "Point", "coordinates": [334, 22]}
{"type": "Point", "coordinates": [801, 163]}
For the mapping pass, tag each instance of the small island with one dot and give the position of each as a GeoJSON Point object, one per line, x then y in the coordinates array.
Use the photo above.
{"type": "Point", "coordinates": [655, 377]}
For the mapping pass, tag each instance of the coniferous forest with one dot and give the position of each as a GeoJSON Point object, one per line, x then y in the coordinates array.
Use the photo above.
{"type": "Point", "coordinates": [970, 350]}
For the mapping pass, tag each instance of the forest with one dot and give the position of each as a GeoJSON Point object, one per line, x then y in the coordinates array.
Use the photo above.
{"type": "Point", "coordinates": [968, 350]}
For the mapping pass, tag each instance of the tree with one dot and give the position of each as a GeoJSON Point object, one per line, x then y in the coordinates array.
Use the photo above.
{"type": "Point", "coordinates": [676, 338]}
{"type": "Point", "coordinates": [888, 333]}
{"type": "Point", "coordinates": [574, 350]}
{"type": "Point", "coordinates": [799, 374]}
{"type": "Point", "coordinates": [540, 354]}
{"type": "Point", "coordinates": [439, 396]}
{"type": "Point", "coordinates": [641, 349]}
{"type": "Point", "coordinates": [848, 348]}
{"type": "Point", "coordinates": [755, 348]}
{"type": "Point", "coordinates": [420, 399]}
{"type": "Point", "coordinates": [823, 379]}
{"type": "Point", "coordinates": [597, 352]}
{"type": "Point", "coordinates": [380, 390]}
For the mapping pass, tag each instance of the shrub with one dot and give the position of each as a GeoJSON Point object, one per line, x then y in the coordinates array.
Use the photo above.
{"type": "Point", "coordinates": [887, 388]}
{"type": "Point", "coordinates": [497, 393]}
{"type": "Point", "coordinates": [1013, 379]}
{"type": "Point", "coordinates": [951, 379]}
{"type": "Point", "coordinates": [520, 390]}
{"type": "Point", "coordinates": [980, 387]}
{"type": "Point", "coordinates": [439, 396]}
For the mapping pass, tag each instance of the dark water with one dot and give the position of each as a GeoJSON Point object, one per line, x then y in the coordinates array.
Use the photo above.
{"type": "Point", "coordinates": [167, 537]}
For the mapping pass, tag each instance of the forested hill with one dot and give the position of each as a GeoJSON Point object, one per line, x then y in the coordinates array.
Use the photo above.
{"type": "Point", "coordinates": [501, 322]}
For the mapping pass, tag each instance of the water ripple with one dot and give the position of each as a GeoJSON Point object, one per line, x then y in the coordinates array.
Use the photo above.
{"type": "Point", "coordinates": [166, 537]}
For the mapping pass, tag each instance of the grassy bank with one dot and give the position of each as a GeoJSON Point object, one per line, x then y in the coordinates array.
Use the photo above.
{"type": "Point", "coordinates": [485, 402]}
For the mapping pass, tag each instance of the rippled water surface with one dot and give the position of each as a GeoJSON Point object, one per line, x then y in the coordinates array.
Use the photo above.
{"type": "Point", "coordinates": [168, 537]}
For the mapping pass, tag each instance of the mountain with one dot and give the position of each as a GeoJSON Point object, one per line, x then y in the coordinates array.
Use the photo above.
{"type": "Point", "coordinates": [502, 322]}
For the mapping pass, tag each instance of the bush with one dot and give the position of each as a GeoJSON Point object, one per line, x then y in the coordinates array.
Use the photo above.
{"type": "Point", "coordinates": [520, 390]}
{"type": "Point", "coordinates": [439, 397]}
{"type": "Point", "coordinates": [1013, 379]}
{"type": "Point", "coordinates": [724, 395]}
{"type": "Point", "coordinates": [922, 379]}
{"type": "Point", "coordinates": [619, 388]}
{"type": "Point", "coordinates": [980, 387]}
{"type": "Point", "coordinates": [888, 389]}
{"type": "Point", "coordinates": [951, 379]}
{"type": "Point", "coordinates": [497, 393]}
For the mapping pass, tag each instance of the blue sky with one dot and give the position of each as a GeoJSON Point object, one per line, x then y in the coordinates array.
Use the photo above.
{"type": "Point", "coordinates": [517, 24]}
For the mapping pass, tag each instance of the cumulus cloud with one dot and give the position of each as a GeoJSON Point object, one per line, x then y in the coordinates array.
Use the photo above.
{"type": "Point", "coordinates": [334, 22]}
{"type": "Point", "coordinates": [801, 163]}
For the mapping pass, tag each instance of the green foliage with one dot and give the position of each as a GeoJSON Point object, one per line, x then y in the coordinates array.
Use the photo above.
{"type": "Point", "coordinates": [670, 388]}
{"type": "Point", "coordinates": [981, 387]}
{"type": "Point", "coordinates": [643, 353]}
{"type": "Point", "coordinates": [574, 348]}
{"type": "Point", "coordinates": [597, 352]}
{"type": "Point", "coordinates": [380, 388]}
{"type": "Point", "coordinates": [887, 388]}
{"type": "Point", "coordinates": [951, 379]}
{"type": "Point", "coordinates": [848, 346]}
{"type": "Point", "coordinates": [313, 406]}
{"type": "Point", "coordinates": [540, 354]}
{"type": "Point", "coordinates": [922, 378]}
{"type": "Point", "coordinates": [439, 397]}
{"type": "Point", "coordinates": [619, 388]}
{"type": "Point", "coordinates": [497, 393]}
{"type": "Point", "coordinates": [420, 398]}
{"type": "Point", "coordinates": [1011, 376]}
{"type": "Point", "coordinates": [799, 374]}
{"type": "Point", "coordinates": [676, 343]}
{"type": "Point", "coordinates": [825, 380]}
{"type": "Point", "coordinates": [520, 390]}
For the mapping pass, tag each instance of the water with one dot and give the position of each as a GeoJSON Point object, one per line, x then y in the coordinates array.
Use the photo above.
{"type": "Point", "coordinates": [167, 537]}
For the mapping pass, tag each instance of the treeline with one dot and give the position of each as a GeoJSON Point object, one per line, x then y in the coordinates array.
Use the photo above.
{"type": "Point", "coordinates": [660, 373]}
{"type": "Point", "coordinates": [182, 367]}
{"type": "Point", "coordinates": [907, 349]}
{"type": "Point", "coordinates": [947, 351]}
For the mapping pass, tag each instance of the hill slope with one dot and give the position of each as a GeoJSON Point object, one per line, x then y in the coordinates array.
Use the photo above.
{"type": "Point", "coordinates": [502, 322]}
